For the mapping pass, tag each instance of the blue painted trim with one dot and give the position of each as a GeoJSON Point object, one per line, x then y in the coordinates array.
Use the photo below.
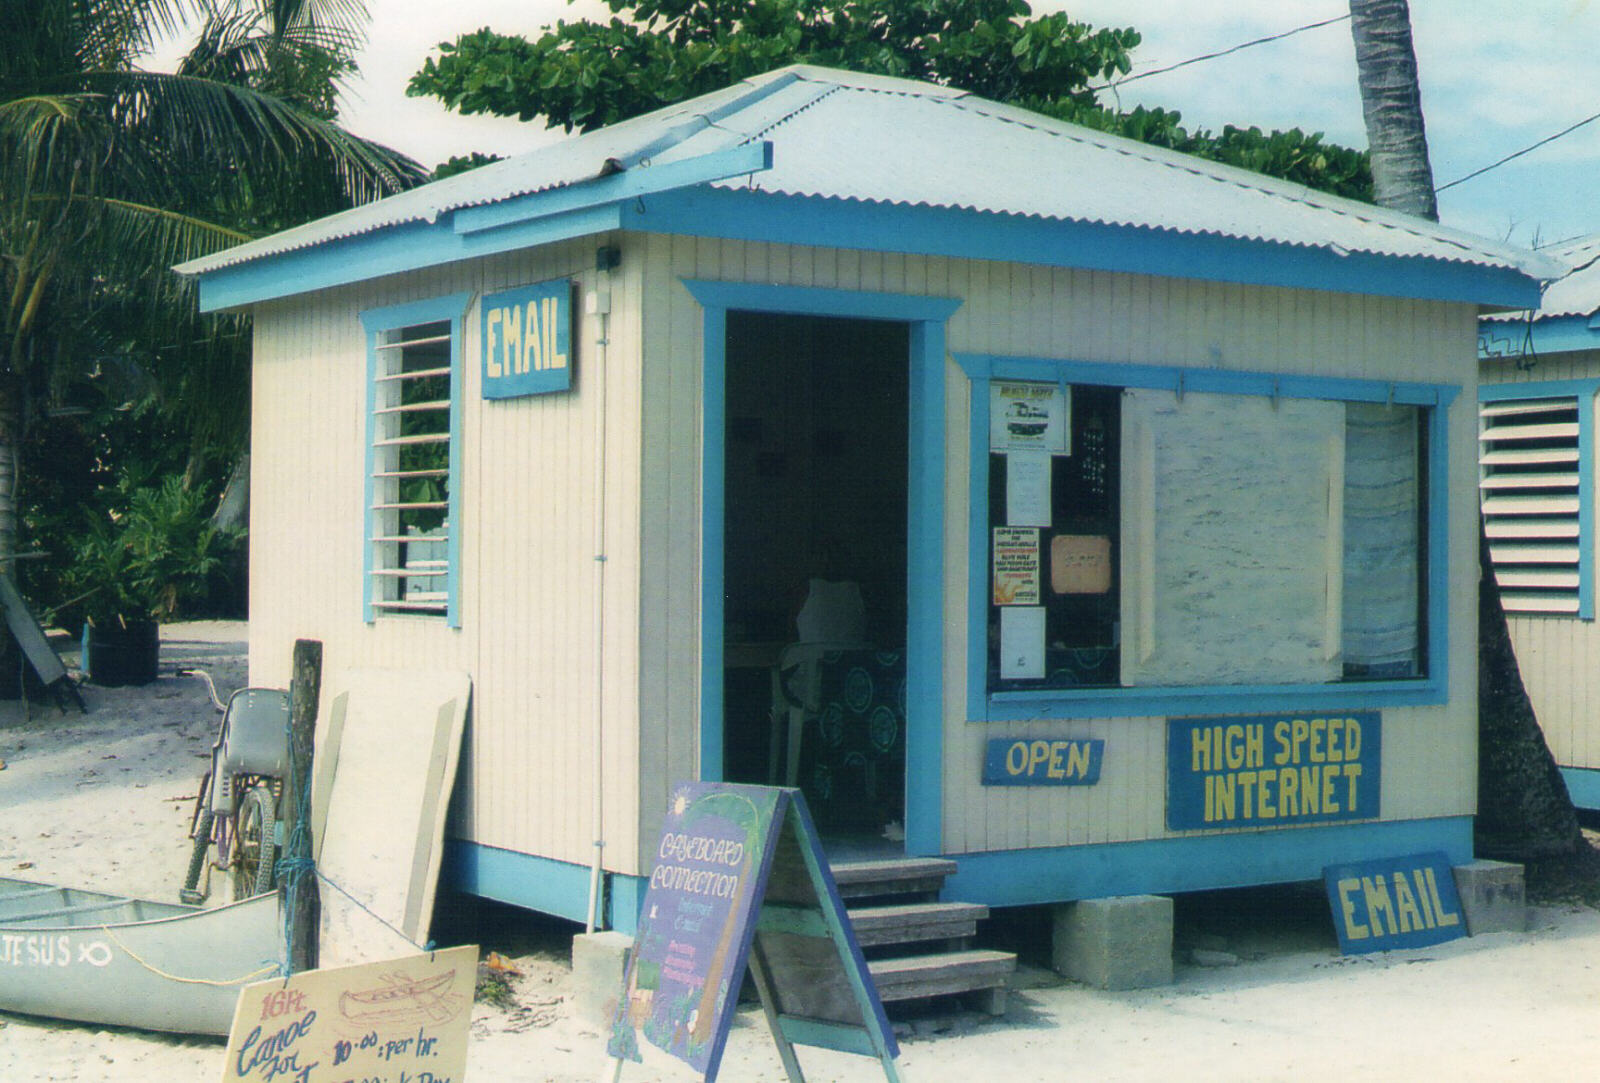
{"type": "Point", "coordinates": [856, 224]}
{"type": "Point", "coordinates": [390, 251]}
{"type": "Point", "coordinates": [1194, 862]}
{"type": "Point", "coordinates": [925, 510]}
{"type": "Point", "coordinates": [1510, 339]}
{"type": "Point", "coordinates": [815, 301]}
{"type": "Point", "coordinates": [374, 321]}
{"type": "Point", "coordinates": [713, 502]}
{"type": "Point", "coordinates": [982, 705]}
{"type": "Point", "coordinates": [1584, 391]}
{"type": "Point", "coordinates": [538, 883]}
{"type": "Point", "coordinates": [1583, 785]}
{"type": "Point", "coordinates": [631, 183]}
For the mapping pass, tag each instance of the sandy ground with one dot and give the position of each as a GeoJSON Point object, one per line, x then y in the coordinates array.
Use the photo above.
{"type": "Point", "coordinates": [103, 800]}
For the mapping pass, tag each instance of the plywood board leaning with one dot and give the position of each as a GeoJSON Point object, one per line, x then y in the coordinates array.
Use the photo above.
{"type": "Point", "coordinates": [385, 765]}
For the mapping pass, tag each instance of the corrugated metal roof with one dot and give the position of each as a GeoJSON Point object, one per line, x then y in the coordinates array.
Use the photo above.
{"type": "Point", "coordinates": [841, 135]}
{"type": "Point", "coordinates": [1577, 291]}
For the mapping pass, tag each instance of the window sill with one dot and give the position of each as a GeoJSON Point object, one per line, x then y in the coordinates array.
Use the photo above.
{"type": "Point", "coordinates": [1224, 699]}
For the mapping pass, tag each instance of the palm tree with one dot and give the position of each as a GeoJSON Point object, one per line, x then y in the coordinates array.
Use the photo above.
{"type": "Point", "coordinates": [109, 173]}
{"type": "Point", "coordinates": [1524, 810]}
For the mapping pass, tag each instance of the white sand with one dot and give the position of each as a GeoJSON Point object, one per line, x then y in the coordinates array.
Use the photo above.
{"type": "Point", "coordinates": [103, 800]}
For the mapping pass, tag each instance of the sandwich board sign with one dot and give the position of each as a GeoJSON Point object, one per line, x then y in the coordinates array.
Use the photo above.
{"type": "Point", "coordinates": [401, 1020]}
{"type": "Point", "coordinates": [740, 881]}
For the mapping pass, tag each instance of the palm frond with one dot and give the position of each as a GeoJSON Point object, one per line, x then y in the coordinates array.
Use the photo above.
{"type": "Point", "coordinates": [208, 125]}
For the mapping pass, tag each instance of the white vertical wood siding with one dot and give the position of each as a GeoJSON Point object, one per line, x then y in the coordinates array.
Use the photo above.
{"type": "Point", "coordinates": [527, 563]}
{"type": "Point", "coordinates": [1558, 656]}
{"type": "Point", "coordinates": [528, 545]}
{"type": "Point", "coordinates": [1429, 754]}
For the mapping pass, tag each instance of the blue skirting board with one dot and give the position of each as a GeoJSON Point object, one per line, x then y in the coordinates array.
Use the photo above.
{"type": "Point", "coordinates": [1583, 783]}
{"type": "Point", "coordinates": [1022, 877]}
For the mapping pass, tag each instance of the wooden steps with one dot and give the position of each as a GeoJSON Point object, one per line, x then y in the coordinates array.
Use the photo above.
{"type": "Point", "coordinates": [917, 946]}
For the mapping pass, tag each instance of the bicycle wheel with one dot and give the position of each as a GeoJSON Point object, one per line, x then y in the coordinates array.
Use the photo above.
{"type": "Point", "coordinates": [254, 845]}
{"type": "Point", "coordinates": [197, 857]}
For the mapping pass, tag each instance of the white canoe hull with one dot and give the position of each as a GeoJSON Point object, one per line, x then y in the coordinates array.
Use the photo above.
{"type": "Point", "coordinates": [99, 958]}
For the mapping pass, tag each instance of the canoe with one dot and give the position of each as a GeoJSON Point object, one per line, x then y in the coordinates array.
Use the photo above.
{"type": "Point", "coordinates": [68, 953]}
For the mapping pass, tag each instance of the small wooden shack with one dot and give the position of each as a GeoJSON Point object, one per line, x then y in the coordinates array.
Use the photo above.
{"type": "Point", "coordinates": [1093, 516]}
{"type": "Point", "coordinates": [1540, 374]}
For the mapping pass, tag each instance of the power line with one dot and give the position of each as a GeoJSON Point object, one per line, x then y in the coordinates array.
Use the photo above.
{"type": "Point", "coordinates": [1519, 153]}
{"type": "Point", "coordinates": [1221, 52]}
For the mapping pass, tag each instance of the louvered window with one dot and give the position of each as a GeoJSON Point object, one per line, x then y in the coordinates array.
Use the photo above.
{"type": "Point", "coordinates": [1534, 491]}
{"type": "Point", "coordinates": [412, 499]}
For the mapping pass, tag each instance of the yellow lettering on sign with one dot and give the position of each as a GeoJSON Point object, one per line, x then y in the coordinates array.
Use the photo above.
{"type": "Point", "coordinates": [1405, 905]}
{"type": "Point", "coordinates": [528, 359]}
{"type": "Point", "coordinates": [1057, 769]}
{"type": "Point", "coordinates": [1289, 792]}
{"type": "Point", "coordinates": [1017, 758]}
{"type": "Point", "coordinates": [513, 326]}
{"type": "Point", "coordinates": [1379, 906]}
{"type": "Point", "coordinates": [1353, 929]}
{"type": "Point", "coordinates": [1352, 771]}
{"type": "Point", "coordinates": [1078, 759]}
{"type": "Point", "coordinates": [552, 358]}
{"type": "Point", "coordinates": [1352, 739]}
{"type": "Point", "coordinates": [1330, 803]}
{"type": "Point", "coordinates": [1319, 728]}
{"type": "Point", "coordinates": [1446, 917]}
{"type": "Point", "coordinates": [1200, 755]}
{"type": "Point", "coordinates": [491, 347]}
{"type": "Point", "coordinates": [1266, 800]}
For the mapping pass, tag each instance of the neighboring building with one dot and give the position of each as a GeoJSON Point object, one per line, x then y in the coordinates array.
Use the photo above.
{"type": "Point", "coordinates": [1540, 370]}
{"type": "Point", "coordinates": [1153, 478]}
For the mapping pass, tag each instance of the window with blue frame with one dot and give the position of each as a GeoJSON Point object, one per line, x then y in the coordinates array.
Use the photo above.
{"type": "Point", "coordinates": [412, 540]}
{"type": "Point", "coordinates": [1146, 528]}
{"type": "Point", "coordinates": [1535, 448]}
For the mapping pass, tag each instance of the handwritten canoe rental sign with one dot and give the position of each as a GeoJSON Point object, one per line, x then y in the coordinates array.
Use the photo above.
{"type": "Point", "coordinates": [1269, 770]}
{"type": "Point", "coordinates": [1036, 761]}
{"type": "Point", "coordinates": [396, 1021]}
{"type": "Point", "coordinates": [740, 881]}
{"type": "Point", "coordinates": [1395, 902]}
{"type": "Point", "coordinates": [527, 340]}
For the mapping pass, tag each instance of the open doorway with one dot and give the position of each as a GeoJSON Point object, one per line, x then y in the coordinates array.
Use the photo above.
{"type": "Point", "coordinates": [814, 562]}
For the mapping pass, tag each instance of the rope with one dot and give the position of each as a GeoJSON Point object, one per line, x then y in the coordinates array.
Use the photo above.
{"type": "Point", "coordinates": [376, 916]}
{"type": "Point", "coordinates": [266, 971]}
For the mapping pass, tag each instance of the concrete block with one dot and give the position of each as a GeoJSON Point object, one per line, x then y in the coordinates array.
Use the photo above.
{"type": "Point", "coordinates": [599, 961]}
{"type": "Point", "coordinates": [1493, 898]}
{"type": "Point", "coordinates": [1124, 942]}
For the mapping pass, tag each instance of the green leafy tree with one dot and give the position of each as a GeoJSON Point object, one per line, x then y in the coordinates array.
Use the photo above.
{"type": "Point", "coordinates": [110, 173]}
{"type": "Point", "coordinates": [585, 74]}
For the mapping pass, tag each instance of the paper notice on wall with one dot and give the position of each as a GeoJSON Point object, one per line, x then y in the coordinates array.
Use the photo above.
{"type": "Point", "coordinates": [1080, 564]}
{"type": "Point", "coordinates": [1028, 488]}
{"type": "Point", "coordinates": [1029, 416]}
{"type": "Point", "coordinates": [1022, 643]}
{"type": "Point", "coordinates": [1016, 565]}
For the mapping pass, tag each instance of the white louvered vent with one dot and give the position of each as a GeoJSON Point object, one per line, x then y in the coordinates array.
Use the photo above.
{"type": "Point", "coordinates": [409, 528]}
{"type": "Point", "coordinates": [1529, 486]}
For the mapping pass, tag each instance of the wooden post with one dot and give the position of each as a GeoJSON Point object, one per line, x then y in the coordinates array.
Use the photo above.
{"type": "Point", "coordinates": [298, 889]}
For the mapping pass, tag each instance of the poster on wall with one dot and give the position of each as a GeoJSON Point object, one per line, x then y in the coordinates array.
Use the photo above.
{"type": "Point", "coordinates": [1016, 565]}
{"type": "Point", "coordinates": [1026, 416]}
{"type": "Point", "coordinates": [1028, 488]}
{"type": "Point", "coordinates": [1022, 643]}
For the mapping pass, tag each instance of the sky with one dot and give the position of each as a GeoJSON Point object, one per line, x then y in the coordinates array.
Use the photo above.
{"type": "Point", "coordinates": [1496, 76]}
